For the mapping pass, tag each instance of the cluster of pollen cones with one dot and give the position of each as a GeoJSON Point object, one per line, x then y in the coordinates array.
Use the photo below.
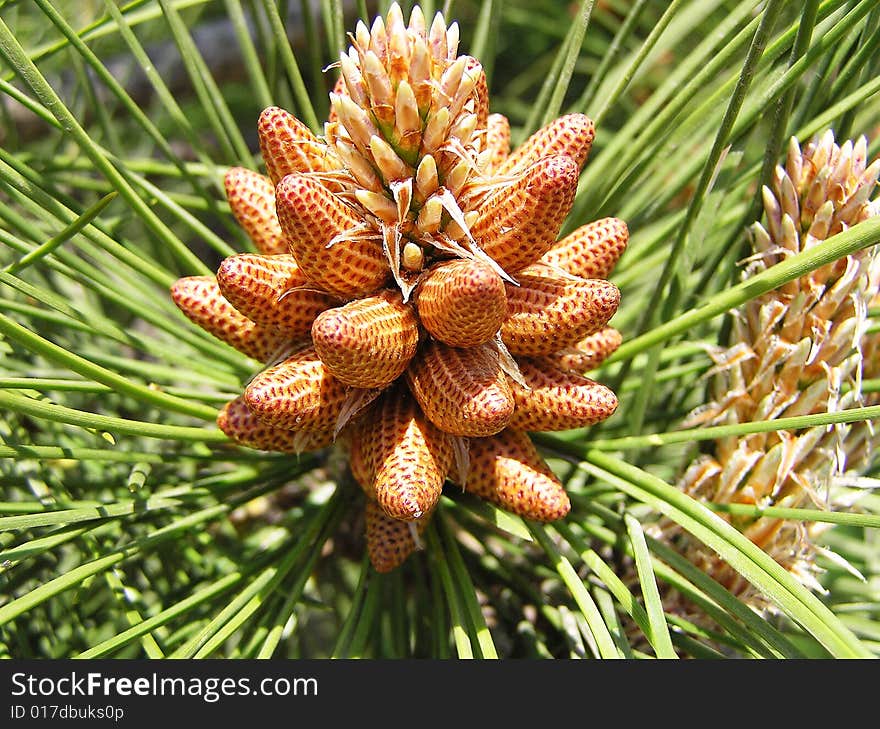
{"type": "Point", "coordinates": [410, 298]}
{"type": "Point", "coordinates": [803, 348]}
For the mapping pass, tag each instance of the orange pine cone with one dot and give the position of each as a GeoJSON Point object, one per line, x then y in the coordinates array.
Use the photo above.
{"type": "Point", "coordinates": [592, 250]}
{"type": "Point", "coordinates": [462, 303]}
{"type": "Point", "coordinates": [480, 92]}
{"type": "Point", "coordinates": [288, 146]}
{"type": "Point", "coordinates": [251, 198]}
{"type": "Point", "coordinates": [548, 313]}
{"type": "Point", "coordinates": [557, 400]}
{"type": "Point", "coordinates": [272, 290]}
{"type": "Point", "coordinates": [571, 135]}
{"type": "Point", "coordinates": [311, 218]}
{"type": "Point", "coordinates": [462, 391]}
{"type": "Point", "coordinates": [402, 458]}
{"type": "Point", "coordinates": [497, 141]}
{"type": "Point", "coordinates": [200, 299]}
{"type": "Point", "coordinates": [410, 274]}
{"type": "Point", "coordinates": [507, 470]}
{"type": "Point", "coordinates": [390, 541]}
{"type": "Point", "coordinates": [238, 421]}
{"type": "Point", "coordinates": [298, 393]}
{"type": "Point", "coordinates": [520, 222]}
{"type": "Point", "coordinates": [588, 353]}
{"type": "Point", "coordinates": [368, 342]}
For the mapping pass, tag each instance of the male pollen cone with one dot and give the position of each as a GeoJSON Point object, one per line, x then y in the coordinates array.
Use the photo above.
{"type": "Point", "coordinates": [251, 199]}
{"type": "Point", "coordinates": [557, 400]}
{"type": "Point", "coordinates": [507, 470]}
{"type": "Point", "coordinates": [360, 458]}
{"type": "Point", "coordinates": [519, 223]}
{"type": "Point", "coordinates": [312, 217]}
{"type": "Point", "coordinates": [571, 135]}
{"type": "Point", "coordinates": [272, 290]}
{"type": "Point", "coordinates": [462, 391]}
{"type": "Point", "coordinates": [588, 353]}
{"type": "Point", "coordinates": [480, 93]}
{"type": "Point", "coordinates": [549, 313]}
{"type": "Point", "coordinates": [367, 342]}
{"type": "Point", "coordinates": [389, 541]}
{"type": "Point", "coordinates": [592, 250]}
{"type": "Point", "coordinates": [497, 140]}
{"type": "Point", "coordinates": [297, 393]}
{"type": "Point", "coordinates": [412, 295]}
{"type": "Point", "coordinates": [287, 145]}
{"type": "Point", "coordinates": [406, 458]}
{"type": "Point", "coordinates": [238, 421]}
{"type": "Point", "coordinates": [790, 351]}
{"type": "Point", "coordinates": [199, 298]}
{"type": "Point", "coordinates": [462, 303]}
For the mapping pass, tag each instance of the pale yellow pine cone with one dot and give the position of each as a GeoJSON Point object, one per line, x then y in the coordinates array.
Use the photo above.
{"type": "Point", "coordinates": [798, 350]}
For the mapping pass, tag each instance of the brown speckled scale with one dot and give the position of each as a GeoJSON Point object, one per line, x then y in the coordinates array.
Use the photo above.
{"type": "Point", "coordinates": [480, 93]}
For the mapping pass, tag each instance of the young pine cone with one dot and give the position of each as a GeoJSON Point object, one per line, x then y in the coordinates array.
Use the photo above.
{"type": "Point", "coordinates": [797, 350]}
{"type": "Point", "coordinates": [410, 297]}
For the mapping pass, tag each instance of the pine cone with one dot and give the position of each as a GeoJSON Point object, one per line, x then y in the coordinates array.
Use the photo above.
{"type": "Point", "coordinates": [794, 351]}
{"type": "Point", "coordinates": [423, 311]}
